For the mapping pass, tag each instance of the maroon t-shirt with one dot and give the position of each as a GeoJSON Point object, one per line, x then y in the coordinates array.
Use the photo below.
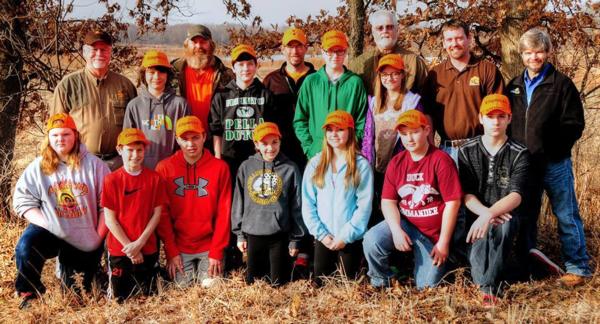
{"type": "Point", "coordinates": [422, 188]}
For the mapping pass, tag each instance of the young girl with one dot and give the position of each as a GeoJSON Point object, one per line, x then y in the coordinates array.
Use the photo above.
{"type": "Point", "coordinates": [157, 108]}
{"type": "Point", "coordinates": [381, 141]}
{"type": "Point", "coordinates": [59, 195]}
{"type": "Point", "coordinates": [337, 190]}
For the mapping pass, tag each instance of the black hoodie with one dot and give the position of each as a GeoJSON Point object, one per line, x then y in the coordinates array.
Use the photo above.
{"type": "Point", "coordinates": [235, 112]}
{"type": "Point", "coordinates": [267, 199]}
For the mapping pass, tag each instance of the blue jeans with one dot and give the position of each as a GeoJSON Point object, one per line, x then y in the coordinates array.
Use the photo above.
{"type": "Point", "coordinates": [557, 179]}
{"type": "Point", "coordinates": [36, 245]}
{"type": "Point", "coordinates": [378, 244]}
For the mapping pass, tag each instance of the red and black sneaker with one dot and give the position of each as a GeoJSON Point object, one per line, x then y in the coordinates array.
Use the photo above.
{"type": "Point", "coordinates": [26, 298]}
{"type": "Point", "coordinates": [550, 266]}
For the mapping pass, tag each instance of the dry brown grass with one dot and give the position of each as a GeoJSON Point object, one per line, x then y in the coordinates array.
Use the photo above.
{"type": "Point", "coordinates": [339, 300]}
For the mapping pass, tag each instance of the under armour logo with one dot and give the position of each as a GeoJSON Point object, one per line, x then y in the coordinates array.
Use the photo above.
{"type": "Point", "coordinates": [182, 187]}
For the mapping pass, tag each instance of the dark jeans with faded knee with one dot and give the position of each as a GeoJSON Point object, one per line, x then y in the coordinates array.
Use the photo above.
{"type": "Point", "coordinates": [37, 245]}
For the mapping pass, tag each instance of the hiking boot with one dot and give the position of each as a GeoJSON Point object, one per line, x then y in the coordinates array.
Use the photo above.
{"type": "Point", "coordinates": [550, 266]}
{"type": "Point", "coordinates": [26, 298]}
{"type": "Point", "coordinates": [571, 280]}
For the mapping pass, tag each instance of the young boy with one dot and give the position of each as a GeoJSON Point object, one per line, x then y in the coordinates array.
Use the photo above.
{"type": "Point", "coordinates": [420, 200]}
{"type": "Point", "coordinates": [132, 198]}
{"type": "Point", "coordinates": [493, 174]}
{"type": "Point", "coordinates": [267, 210]}
{"type": "Point", "coordinates": [195, 225]}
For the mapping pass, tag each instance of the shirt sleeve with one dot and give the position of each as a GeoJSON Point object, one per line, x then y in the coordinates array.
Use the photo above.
{"type": "Point", "coordinates": [519, 175]}
{"type": "Point", "coordinates": [215, 116]}
{"type": "Point", "coordinates": [298, 228]}
{"type": "Point", "coordinates": [309, 205]}
{"type": "Point", "coordinates": [301, 119]}
{"type": "Point", "coordinates": [27, 193]}
{"type": "Point", "coordinates": [448, 180]}
{"type": "Point", "coordinates": [165, 226]}
{"type": "Point", "coordinates": [355, 229]}
{"type": "Point", "coordinates": [109, 198]}
{"type": "Point", "coordinates": [466, 171]}
{"type": "Point", "coordinates": [220, 239]}
{"type": "Point", "coordinates": [237, 207]}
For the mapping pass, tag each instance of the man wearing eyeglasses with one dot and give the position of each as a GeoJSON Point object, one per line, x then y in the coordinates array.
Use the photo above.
{"type": "Point", "coordinates": [96, 98]}
{"type": "Point", "coordinates": [332, 87]}
{"type": "Point", "coordinates": [384, 27]}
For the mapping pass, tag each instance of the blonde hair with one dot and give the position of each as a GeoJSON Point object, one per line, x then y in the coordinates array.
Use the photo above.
{"type": "Point", "coordinates": [51, 161]}
{"type": "Point", "coordinates": [381, 94]}
{"type": "Point", "coordinates": [352, 177]}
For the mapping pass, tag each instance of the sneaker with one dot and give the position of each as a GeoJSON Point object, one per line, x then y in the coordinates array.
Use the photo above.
{"type": "Point", "coordinates": [571, 280]}
{"type": "Point", "coordinates": [26, 298]}
{"type": "Point", "coordinates": [489, 301]}
{"type": "Point", "coordinates": [552, 267]}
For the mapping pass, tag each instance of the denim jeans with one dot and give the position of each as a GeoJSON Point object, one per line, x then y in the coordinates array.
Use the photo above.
{"type": "Point", "coordinates": [557, 179]}
{"type": "Point", "coordinates": [36, 245]}
{"type": "Point", "coordinates": [378, 244]}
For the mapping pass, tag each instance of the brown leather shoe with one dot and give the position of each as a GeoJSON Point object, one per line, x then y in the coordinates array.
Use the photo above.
{"type": "Point", "coordinates": [571, 280]}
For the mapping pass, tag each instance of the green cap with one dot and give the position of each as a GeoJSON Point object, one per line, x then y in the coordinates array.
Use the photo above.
{"type": "Point", "coordinates": [199, 30]}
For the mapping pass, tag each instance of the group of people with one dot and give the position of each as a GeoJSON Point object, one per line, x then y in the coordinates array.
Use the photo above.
{"type": "Point", "coordinates": [337, 163]}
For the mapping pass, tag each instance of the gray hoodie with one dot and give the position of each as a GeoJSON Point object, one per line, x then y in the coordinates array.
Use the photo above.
{"type": "Point", "coordinates": [68, 199]}
{"type": "Point", "coordinates": [156, 118]}
{"type": "Point", "coordinates": [267, 199]}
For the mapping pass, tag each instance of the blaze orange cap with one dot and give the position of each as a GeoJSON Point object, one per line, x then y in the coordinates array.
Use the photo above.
{"type": "Point", "coordinates": [131, 135]}
{"type": "Point", "coordinates": [241, 49]}
{"type": "Point", "coordinates": [294, 34]}
{"type": "Point", "coordinates": [188, 124]}
{"type": "Point", "coordinates": [495, 102]}
{"type": "Point", "coordinates": [339, 118]}
{"type": "Point", "coordinates": [412, 119]}
{"type": "Point", "coordinates": [263, 130]}
{"type": "Point", "coordinates": [393, 60]}
{"type": "Point", "coordinates": [60, 120]}
{"type": "Point", "coordinates": [155, 58]}
{"type": "Point", "coordinates": [334, 38]}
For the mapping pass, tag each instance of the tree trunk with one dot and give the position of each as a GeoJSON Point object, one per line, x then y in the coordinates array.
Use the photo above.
{"type": "Point", "coordinates": [11, 86]}
{"type": "Point", "coordinates": [357, 23]}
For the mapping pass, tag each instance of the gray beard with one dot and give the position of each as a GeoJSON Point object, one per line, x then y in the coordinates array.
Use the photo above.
{"type": "Point", "coordinates": [385, 43]}
{"type": "Point", "coordinates": [198, 62]}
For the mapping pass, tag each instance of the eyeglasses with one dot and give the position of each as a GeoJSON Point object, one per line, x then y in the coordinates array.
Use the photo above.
{"type": "Point", "coordinates": [339, 52]}
{"type": "Point", "coordinates": [393, 75]}
{"type": "Point", "coordinates": [381, 28]}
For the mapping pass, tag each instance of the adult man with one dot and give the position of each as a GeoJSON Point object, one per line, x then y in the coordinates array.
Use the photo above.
{"type": "Point", "coordinates": [548, 118]}
{"type": "Point", "coordinates": [384, 27]}
{"type": "Point", "coordinates": [96, 98]}
{"type": "Point", "coordinates": [455, 88]}
{"type": "Point", "coordinates": [195, 224]}
{"type": "Point", "coordinates": [285, 84]}
{"type": "Point", "coordinates": [199, 73]}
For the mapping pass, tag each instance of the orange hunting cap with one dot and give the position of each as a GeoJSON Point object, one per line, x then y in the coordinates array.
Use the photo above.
{"type": "Point", "coordinates": [495, 102]}
{"type": "Point", "coordinates": [263, 130]}
{"type": "Point", "coordinates": [334, 38]}
{"type": "Point", "coordinates": [155, 58]}
{"type": "Point", "coordinates": [339, 118]}
{"type": "Point", "coordinates": [294, 34]}
{"type": "Point", "coordinates": [393, 60]}
{"type": "Point", "coordinates": [60, 120]}
{"type": "Point", "coordinates": [188, 124]}
{"type": "Point", "coordinates": [241, 49]}
{"type": "Point", "coordinates": [412, 119]}
{"type": "Point", "coordinates": [131, 135]}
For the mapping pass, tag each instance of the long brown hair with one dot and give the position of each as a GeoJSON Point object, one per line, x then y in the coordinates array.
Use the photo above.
{"type": "Point", "coordinates": [352, 177]}
{"type": "Point", "coordinates": [381, 94]}
{"type": "Point", "coordinates": [51, 161]}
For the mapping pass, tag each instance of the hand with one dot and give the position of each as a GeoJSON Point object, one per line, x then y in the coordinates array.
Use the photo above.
{"type": "Point", "coordinates": [138, 259]}
{"type": "Point", "coordinates": [175, 265]}
{"type": "Point", "coordinates": [328, 241]}
{"type": "Point", "coordinates": [242, 246]}
{"type": "Point", "coordinates": [337, 245]}
{"type": "Point", "coordinates": [215, 267]}
{"type": "Point", "coordinates": [439, 253]}
{"type": "Point", "coordinates": [501, 219]}
{"type": "Point", "coordinates": [132, 249]}
{"type": "Point", "coordinates": [402, 241]}
{"type": "Point", "coordinates": [479, 228]}
{"type": "Point", "coordinates": [294, 252]}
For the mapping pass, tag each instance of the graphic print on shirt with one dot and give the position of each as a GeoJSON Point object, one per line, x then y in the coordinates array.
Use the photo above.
{"type": "Point", "coordinates": [199, 187]}
{"type": "Point", "coordinates": [417, 196]}
{"type": "Point", "coordinates": [158, 122]}
{"type": "Point", "coordinates": [240, 128]}
{"type": "Point", "coordinates": [66, 193]}
{"type": "Point", "coordinates": [264, 187]}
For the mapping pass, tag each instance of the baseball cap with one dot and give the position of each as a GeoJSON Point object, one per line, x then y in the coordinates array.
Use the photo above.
{"type": "Point", "coordinates": [155, 58]}
{"type": "Point", "coordinates": [131, 135]}
{"type": "Point", "coordinates": [495, 102]}
{"type": "Point", "coordinates": [199, 30]}
{"type": "Point", "coordinates": [241, 49]}
{"type": "Point", "coordinates": [60, 120]}
{"type": "Point", "coordinates": [263, 130]}
{"type": "Point", "coordinates": [93, 36]}
{"type": "Point", "coordinates": [188, 124]}
{"type": "Point", "coordinates": [334, 38]}
{"type": "Point", "coordinates": [339, 118]}
{"type": "Point", "coordinates": [393, 60]}
{"type": "Point", "coordinates": [294, 34]}
{"type": "Point", "coordinates": [412, 119]}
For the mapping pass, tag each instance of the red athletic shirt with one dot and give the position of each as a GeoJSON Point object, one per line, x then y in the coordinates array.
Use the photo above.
{"type": "Point", "coordinates": [133, 199]}
{"type": "Point", "coordinates": [422, 188]}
